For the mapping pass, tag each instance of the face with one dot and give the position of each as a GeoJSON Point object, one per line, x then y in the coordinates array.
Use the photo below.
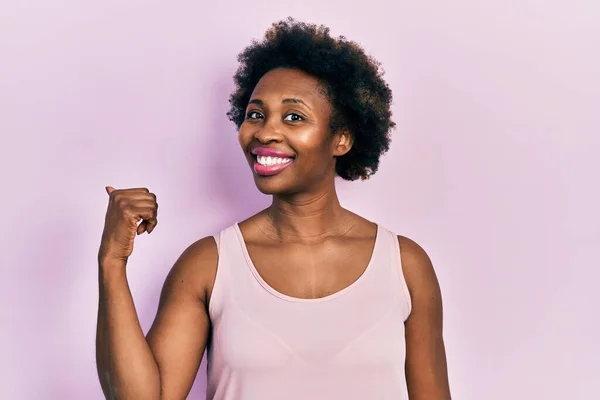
{"type": "Point", "coordinates": [286, 135]}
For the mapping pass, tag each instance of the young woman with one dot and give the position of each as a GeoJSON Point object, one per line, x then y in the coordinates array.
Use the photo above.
{"type": "Point", "coordinates": [304, 300]}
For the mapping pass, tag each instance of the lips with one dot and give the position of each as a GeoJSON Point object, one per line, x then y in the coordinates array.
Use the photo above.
{"type": "Point", "coordinates": [267, 151]}
{"type": "Point", "coordinates": [269, 162]}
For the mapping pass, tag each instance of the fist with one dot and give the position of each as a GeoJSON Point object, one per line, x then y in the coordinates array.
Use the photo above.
{"type": "Point", "coordinates": [126, 208]}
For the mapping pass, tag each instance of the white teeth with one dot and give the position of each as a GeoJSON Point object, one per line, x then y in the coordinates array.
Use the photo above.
{"type": "Point", "coordinates": [268, 160]}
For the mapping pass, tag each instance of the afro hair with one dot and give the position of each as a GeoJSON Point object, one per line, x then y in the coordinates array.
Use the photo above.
{"type": "Point", "coordinates": [353, 82]}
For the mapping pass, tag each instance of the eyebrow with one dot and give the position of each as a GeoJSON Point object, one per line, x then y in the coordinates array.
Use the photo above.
{"type": "Point", "coordinates": [284, 101]}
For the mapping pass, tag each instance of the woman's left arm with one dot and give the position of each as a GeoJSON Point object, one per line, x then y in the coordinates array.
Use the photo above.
{"type": "Point", "coordinates": [426, 368]}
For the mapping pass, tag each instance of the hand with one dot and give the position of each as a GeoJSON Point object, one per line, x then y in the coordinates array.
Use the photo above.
{"type": "Point", "coordinates": [126, 207]}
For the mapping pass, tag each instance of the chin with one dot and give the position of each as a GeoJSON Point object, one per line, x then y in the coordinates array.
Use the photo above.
{"type": "Point", "coordinates": [279, 184]}
{"type": "Point", "coordinates": [273, 186]}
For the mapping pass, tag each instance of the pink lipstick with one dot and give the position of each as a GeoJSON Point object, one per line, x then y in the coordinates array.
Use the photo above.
{"type": "Point", "coordinates": [267, 151]}
{"type": "Point", "coordinates": [269, 162]}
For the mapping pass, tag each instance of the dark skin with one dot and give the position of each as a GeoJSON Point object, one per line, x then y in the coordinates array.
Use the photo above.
{"type": "Point", "coordinates": [326, 247]}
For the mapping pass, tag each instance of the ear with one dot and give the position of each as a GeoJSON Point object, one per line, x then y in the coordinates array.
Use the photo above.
{"type": "Point", "coordinates": [342, 143]}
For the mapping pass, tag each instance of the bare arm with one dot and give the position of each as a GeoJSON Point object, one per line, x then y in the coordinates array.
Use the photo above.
{"type": "Point", "coordinates": [126, 366]}
{"type": "Point", "coordinates": [179, 334]}
{"type": "Point", "coordinates": [426, 367]}
{"type": "Point", "coordinates": [165, 363]}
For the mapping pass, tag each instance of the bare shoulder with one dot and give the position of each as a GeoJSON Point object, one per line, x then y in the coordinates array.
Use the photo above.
{"type": "Point", "coordinates": [195, 269]}
{"type": "Point", "coordinates": [201, 252]}
{"type": "Point", "coordinates": [417, 268]}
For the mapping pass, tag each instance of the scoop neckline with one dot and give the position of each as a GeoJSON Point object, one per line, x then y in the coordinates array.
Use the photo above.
{"type": "Point", "coordinates": [286, 297]}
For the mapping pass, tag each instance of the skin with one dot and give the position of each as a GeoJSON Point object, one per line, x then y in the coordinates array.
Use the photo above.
{"type": "Point", "coordinates": [326, 248]}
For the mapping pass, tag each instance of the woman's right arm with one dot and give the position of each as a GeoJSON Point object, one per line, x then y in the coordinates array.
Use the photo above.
{"type": "Point", "coordinates": [126, 366]}
{"type": "Point", "coordinates": [162, 365]}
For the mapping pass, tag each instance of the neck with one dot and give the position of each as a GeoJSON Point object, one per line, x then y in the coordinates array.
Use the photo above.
{"type": "Point", "coordinates": [307, 216]}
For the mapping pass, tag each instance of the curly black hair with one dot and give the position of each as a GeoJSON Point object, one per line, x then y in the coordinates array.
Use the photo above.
{"type": "Point", "coordinates": [352, 80]}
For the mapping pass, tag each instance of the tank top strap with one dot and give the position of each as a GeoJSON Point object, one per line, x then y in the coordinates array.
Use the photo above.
{"type": "Point", "coordinates": [229, 255]}
{"type": "Point", "coordinates": [391, 247]}
{"type": "Point", "coordinates": [217, 239]}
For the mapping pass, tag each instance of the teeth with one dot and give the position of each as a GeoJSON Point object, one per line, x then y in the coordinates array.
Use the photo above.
{"type": "Point", "coordinates": [268, 160]}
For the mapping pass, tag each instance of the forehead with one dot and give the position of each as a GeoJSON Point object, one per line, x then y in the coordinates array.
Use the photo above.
{"type": "Point", "coordinates": [282, 83]}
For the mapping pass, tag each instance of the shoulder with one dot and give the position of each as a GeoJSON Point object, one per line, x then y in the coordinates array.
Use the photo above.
{"type": "Point", "coordinates": [412, 253]}
{"type": "Point", "coordinates": [195, 269]}
{"type": "Point", "coordinates": [201, 250]}
{"type": "Point", "coordinates": [418, 271]}
{"type": "Point", "coordinates": [426, 366]}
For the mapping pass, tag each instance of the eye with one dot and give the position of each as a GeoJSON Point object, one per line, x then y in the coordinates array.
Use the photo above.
{"type": "Point", "coordinates": [293, 117]}
{"type": "Point", "coordinates": [253, 115]}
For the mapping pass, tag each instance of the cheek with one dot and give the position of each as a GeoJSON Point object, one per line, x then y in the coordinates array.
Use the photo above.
{"type": "Point", "coordinates": [314, 142]}
{"type": "Point", "coordinates": [244, 136]}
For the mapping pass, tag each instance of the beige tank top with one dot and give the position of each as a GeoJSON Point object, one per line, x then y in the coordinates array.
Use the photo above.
{"type": "Point", "coordinates": [266, 345]}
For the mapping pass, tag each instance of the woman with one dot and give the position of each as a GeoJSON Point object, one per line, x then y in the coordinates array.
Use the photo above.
{"type": "Point", "coordinates": [304, 300]}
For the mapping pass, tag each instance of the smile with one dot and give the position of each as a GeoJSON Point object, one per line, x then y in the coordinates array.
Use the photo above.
{"type": "Point", "coordinates": [268, 165]}
{"type": "Point", "coordinates": [269, 161]}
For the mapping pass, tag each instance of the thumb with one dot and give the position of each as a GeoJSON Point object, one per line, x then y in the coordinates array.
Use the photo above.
{"type": "Point", "coordinates": [109, 189]}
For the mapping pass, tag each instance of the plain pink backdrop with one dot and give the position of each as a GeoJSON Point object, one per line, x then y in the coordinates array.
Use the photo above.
{"type": "Point", "coordinates": [493, 170]}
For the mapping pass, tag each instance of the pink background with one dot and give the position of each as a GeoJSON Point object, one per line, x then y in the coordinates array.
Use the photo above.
{"type": "Point", "coordinates": [493, 170]}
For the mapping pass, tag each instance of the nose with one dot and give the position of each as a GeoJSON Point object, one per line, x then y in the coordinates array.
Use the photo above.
{"type": "Point", "coordinates": [269, 132]}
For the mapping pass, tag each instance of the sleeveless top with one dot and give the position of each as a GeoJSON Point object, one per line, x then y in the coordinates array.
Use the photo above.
{"type": "Point", "coordinates": [266, 345]}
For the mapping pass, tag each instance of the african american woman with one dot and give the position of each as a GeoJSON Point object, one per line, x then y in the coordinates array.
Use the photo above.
{"type": "Point", "coordinates": [305, 299]}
